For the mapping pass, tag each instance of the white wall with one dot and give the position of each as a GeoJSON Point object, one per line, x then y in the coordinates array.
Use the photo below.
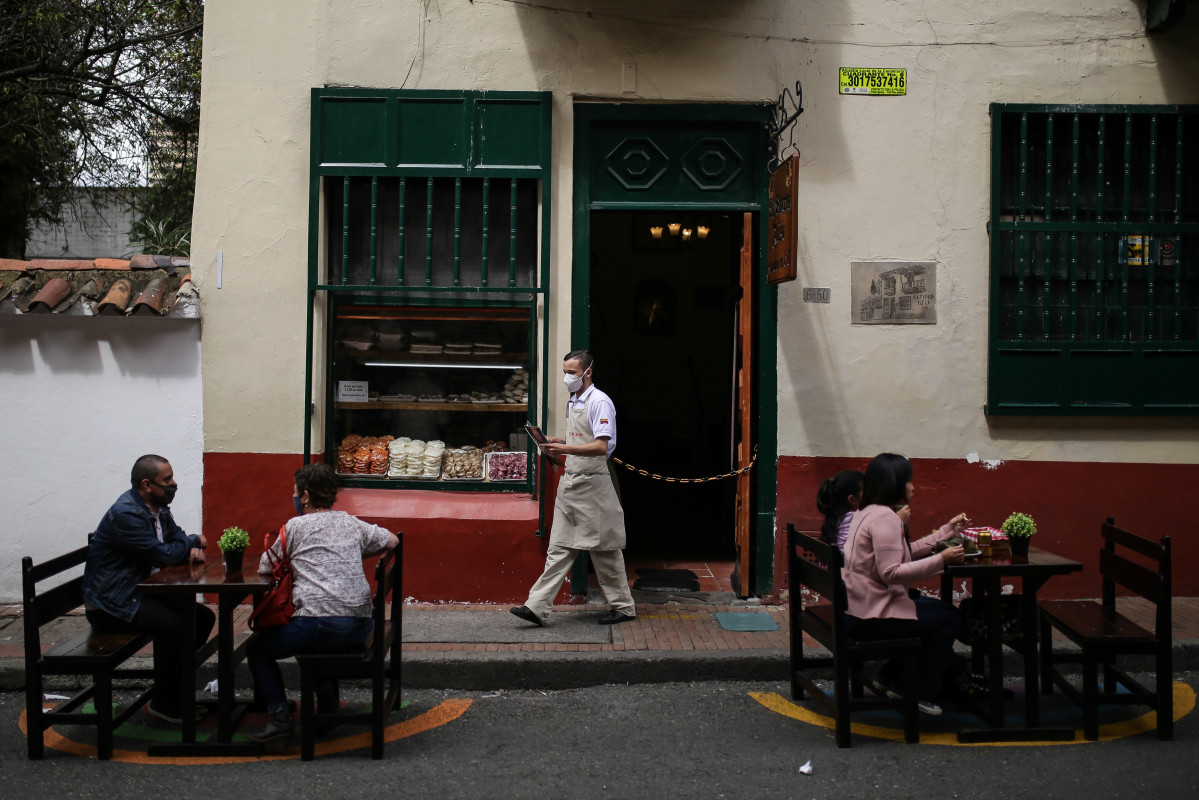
{"type": "Point", "coordinates": [80, 399]}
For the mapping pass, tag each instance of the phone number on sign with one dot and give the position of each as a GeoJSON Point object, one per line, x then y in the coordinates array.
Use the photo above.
{"type": "Point", "coordinates": [873, 81]}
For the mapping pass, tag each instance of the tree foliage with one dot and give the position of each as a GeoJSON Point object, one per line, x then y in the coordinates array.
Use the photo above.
{"type": "Point", "coordinates": [97, 93]}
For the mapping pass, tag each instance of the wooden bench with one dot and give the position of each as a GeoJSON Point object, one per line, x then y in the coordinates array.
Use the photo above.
{"type": "Point", "coordinates": [377, 661]}
{"type": "Point", "coordinates": [815, 566]}
{"type": "Point", "coordinates": [1102, 633]}
{"type": "Point", "coordinates": [87, 653]}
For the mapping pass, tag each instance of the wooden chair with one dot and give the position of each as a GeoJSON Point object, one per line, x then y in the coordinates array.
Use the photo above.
{"type": "Point", "coordinates": [377, 661]}
{"type": "Point", "coordinates": [1102, 633]}
{"type": "Point", "coordinates": [815, 566]}
{"type": "Point", "coordinates": [87, 653]}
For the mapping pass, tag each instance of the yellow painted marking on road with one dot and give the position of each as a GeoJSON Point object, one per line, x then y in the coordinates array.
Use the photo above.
{"type": "Point", "coordinates": [1184, 703]}
{"type": "Point", "coordinates": [443, 713]}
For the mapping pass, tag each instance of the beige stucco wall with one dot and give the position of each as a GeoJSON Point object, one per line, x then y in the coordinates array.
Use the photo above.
{"type": "Point", "coordinates": [881, 178]}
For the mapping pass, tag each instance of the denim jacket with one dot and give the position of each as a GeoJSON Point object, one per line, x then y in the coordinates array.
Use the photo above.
{"type": "Point", "coordinates": [125, 549]}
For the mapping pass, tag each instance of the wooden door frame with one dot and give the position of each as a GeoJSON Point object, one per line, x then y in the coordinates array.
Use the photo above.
{"type": "Point", "coordinates": [764, 324]}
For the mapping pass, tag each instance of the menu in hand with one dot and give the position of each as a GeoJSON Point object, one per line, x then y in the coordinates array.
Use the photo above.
{"type": "Point", "coordinates": [535, 434]}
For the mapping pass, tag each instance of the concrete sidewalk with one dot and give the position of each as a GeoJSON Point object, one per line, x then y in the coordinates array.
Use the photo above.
{"type": "Point", "coordinates": [674, 638]}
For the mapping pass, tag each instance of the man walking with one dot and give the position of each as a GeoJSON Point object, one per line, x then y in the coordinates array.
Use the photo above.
{"type": "Point", "coordinates": [587, 511]}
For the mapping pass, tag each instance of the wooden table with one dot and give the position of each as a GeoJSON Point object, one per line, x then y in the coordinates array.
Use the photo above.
{"type": "Point", "coordinates": [986, 576]}
{"type": "Point", "coordinates": [209, 577]}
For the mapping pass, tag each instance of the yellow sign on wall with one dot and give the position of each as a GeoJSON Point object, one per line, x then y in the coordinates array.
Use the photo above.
{"type": "Point", "coordinates": [874, 80]}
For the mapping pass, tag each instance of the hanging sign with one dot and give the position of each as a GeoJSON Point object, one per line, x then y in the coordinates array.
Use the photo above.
{"type": "Point", "coordinates": [783, 222]}
{"type": "Point", "coordinates": [874, 80]}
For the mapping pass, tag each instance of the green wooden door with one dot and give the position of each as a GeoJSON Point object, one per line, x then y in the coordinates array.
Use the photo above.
{"type": "Point", "coordinates": [685, 158]}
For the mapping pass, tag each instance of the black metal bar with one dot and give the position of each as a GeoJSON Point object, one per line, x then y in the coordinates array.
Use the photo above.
{"type": "Point", "coordinates": [512, 235]}
{"type": "Point", "coordinates": [486, 230]}
{"type": "Point", "coordinates": [429, 233]}
{"type": "Point", "coordinates": [457, 231]}
{"type": "Point", "coordinates": [400, 245]}
{"type": "Point", "coordinates": [345, 229]}
{"type": "Point", "coordinates": [374, 264]}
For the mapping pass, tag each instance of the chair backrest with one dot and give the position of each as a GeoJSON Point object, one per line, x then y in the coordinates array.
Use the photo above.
{"type": "Point", "coordinates": [396, 583]}
{"type": "Point", "coordinates": [388, 596]}
{"type": "Point", "coordinates": [816, 565]}
{"type": "Point", "coordinates": [40, 608]}
{"type": "Point", "coordinates": [1149, 578]}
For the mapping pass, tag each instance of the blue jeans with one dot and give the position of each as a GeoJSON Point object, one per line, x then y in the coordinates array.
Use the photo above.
{"type": "Point", "coordinates": [301, 635]}
{"type": "Point", "coordinates": [936, 624]}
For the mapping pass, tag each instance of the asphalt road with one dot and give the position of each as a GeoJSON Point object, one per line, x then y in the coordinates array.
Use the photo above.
{"type": "Point", "coordinates": [668, 741]}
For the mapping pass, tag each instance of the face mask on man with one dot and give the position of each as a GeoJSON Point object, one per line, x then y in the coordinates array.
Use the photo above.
{"type": "Point", "coordinates": [168, 493]}
{"type": "Point", "coordinates": [573, 382]}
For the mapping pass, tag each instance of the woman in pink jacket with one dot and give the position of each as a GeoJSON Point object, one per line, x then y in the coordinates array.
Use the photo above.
{"type": "Point", "coordinates": [880, 564]}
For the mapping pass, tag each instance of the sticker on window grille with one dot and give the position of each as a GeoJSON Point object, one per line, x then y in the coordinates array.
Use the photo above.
{"type": "Point", "coordinates": [1136, 251]}
{"type": "Point", "coordinates": [874, 81]}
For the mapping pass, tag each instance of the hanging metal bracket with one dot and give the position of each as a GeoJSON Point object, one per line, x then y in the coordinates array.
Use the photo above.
{"type": "Point", "coordinates": [783, 116]}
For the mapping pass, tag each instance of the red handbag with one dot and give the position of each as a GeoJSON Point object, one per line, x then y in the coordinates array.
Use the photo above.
{"type": "Point", "coordinates": [275, 608]}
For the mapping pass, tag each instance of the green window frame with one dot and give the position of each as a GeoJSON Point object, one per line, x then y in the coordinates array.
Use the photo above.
{"type": "Point", "coordinates": [427, 199]}
{"type": "Point", "coordinates": [1094, 260]}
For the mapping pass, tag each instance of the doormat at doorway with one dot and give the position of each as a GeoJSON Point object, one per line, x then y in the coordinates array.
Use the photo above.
{"type": "Point", "coordinates": [666, 580]}
{"type": "Point", "coordinates": [746, 621]}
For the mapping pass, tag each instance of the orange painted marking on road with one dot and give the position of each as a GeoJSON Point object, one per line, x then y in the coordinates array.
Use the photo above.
{"type": "Point", "coordinates": [1184, 703]}
{"type": "Point", "coordinates": [445, 712]}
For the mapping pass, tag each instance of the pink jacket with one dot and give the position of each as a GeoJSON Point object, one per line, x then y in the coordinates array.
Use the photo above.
{"type": "Point", "coordinates": [879, 567]}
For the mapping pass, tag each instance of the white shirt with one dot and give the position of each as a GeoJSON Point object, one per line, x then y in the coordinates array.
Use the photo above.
{"type": "Point", "coordinates": [601, 414]}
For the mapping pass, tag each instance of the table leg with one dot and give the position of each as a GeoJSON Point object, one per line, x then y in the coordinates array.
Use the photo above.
{"type": "Point", "coordinates": [188, 675]}
{"type": "Point", "coordinates": [994, 649]}
{"type": "Point", "coordinates": [1032, 687]}
{"type": "Point", "coordinates": [225, 688]}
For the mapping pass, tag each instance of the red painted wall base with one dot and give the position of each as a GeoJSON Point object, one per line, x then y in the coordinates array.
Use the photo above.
{"type": "Point", "coordinates": [458, 546]}
{"type": "Point", "coordinates": [483, 547]}
{"type": "Point", "coordinates": [1068, 500]}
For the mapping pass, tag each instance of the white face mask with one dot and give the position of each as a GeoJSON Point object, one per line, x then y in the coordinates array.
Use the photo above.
{"type": "Point", "coordinates": [573, 382]}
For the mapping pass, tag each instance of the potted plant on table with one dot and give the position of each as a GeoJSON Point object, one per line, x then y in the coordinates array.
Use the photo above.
{"type": "Point", "coordinates": [1019, 529]}
{"type": "Point", "coordinates": [233, 544]}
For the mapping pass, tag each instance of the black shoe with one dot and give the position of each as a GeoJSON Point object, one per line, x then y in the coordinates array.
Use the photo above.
{"type": "Point", "coordinates": [527, 615]}
{"type": "Point", "coordinates": [613, 618]}
{"type": "Point", "coordinates": [280, 725]}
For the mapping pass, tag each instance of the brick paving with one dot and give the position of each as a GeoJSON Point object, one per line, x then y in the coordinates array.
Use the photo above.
{"type": "Point", "coordinates": [673, 626]}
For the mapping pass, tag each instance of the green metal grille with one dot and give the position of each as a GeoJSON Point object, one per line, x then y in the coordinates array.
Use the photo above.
{"type": "Point", "coordinates": [1094, 259]}
{"type": "Point", "coordinates": [448, 239]}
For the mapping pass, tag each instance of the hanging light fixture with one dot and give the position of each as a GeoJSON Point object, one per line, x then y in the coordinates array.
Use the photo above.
{"type": "Point", "coordinates": [674, 228]}
{"type": "Point", "coordinates": [702, 231]}
{"type": "Point", "coordinates": [656, 231]}
{"type": "Point", "coordinates": [686, 234]}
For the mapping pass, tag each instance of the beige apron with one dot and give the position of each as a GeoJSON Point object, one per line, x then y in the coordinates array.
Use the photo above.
{"type": "Point", "coordinates": [587, 512]}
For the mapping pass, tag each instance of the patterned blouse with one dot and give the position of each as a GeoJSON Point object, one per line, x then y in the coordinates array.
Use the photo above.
{"type": "Point", "coordinates": [326, 549]}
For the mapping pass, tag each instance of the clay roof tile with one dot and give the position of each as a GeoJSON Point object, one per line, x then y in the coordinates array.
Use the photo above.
{"type": "Point", "coordinates": [117, 299]}
{"type": "Point", "coordinates": [152, 300]}
{"type": "Point", "coordinates": [54, 292]}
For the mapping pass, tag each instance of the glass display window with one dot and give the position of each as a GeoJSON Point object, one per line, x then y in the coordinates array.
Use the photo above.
{"type": "Point", "coordinates": [428, 395]}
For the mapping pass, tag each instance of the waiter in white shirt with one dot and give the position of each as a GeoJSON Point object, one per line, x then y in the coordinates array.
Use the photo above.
{"type": "Point", "coordinates": [587, 512]}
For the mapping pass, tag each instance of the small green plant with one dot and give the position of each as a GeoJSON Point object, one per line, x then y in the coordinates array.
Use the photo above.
{"type": "Point", "coordinates": [156, 237]}
{"type": "Point", "coordinates": [233, 540]}
{"type": "Point", "coordinates": [1020, 525]}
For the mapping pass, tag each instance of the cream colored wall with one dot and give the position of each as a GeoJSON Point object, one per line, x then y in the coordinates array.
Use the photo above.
{"type": "Point", "coordinates": [904, 178]}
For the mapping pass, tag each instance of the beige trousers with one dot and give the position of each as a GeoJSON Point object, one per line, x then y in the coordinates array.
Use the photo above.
{"type": "Point", "coordinates": [609, 568]}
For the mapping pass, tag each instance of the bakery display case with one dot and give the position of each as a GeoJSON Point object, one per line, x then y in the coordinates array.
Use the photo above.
{"type": "Point", "coordinates": [424, 394]}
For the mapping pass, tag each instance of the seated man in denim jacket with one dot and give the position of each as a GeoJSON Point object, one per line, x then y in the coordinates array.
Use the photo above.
{"type": "Point", "coordinates": [136, 537]}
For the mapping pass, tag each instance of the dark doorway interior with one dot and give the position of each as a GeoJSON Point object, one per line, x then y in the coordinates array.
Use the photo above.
{"type": "Point", "coordinates": [663, 331]}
